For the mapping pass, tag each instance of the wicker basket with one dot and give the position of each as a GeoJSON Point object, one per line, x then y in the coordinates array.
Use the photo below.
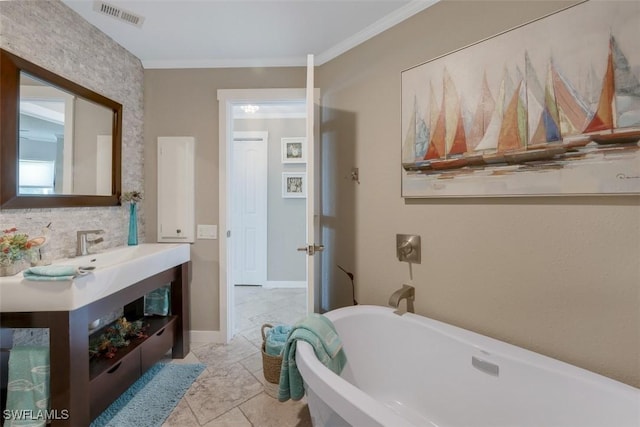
{"type": "Point", "coordinates": [270, 364]}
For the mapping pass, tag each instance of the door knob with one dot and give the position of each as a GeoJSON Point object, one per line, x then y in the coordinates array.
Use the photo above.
{"type": "Point", "coordinates": [311, 249]}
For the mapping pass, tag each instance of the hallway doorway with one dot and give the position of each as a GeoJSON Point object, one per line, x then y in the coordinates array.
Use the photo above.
{"type": "Point", "coordinates": [267, 275]}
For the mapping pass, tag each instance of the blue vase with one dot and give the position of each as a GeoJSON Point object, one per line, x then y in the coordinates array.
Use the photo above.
{"type": "Point", "coordinates": [133, 225]}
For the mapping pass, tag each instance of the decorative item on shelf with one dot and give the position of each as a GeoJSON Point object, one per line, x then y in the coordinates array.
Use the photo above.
{"type": "Point", "coordinates": [116, 336]}
{"type": "Point", "coordinates": [132, 197]}
{"type": "Point", "coordinates": [157, 302]}
{"type": "Point", "coordinates": [16, 250]}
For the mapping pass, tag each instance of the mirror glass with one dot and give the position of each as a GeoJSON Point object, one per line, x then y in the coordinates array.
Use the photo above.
{"type": "Point", "coordinates": [65, 142]}
{"type": "Point", "coordinates": [60, 142]}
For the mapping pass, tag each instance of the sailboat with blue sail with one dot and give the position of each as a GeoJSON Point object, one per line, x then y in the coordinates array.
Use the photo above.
{"type": "Point", "coordinates": [416, 141]}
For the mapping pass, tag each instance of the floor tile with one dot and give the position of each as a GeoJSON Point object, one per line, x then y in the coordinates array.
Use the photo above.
{"type": "Point", "coordinates": [232, 391]}
{"type": "Point", "coordinates": [217, 355]}
{"type": "Point", "coordinates": [233, 418]}
{"type": "Point", "coordinates": [253, 363]}
{"type": "Point", "coordinates": [265, 411]}
{"type": "Point", "coordinates": [182, 416]}
{"type": "Point", "coordinates": [220, 390]}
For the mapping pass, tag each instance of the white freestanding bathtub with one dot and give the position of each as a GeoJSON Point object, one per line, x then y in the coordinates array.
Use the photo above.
{"type": "Point", "coordinates": [413, 371]}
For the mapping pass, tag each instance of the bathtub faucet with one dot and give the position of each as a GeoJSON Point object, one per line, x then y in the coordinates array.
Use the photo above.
{"type": "Point", "coordinates": [406, 292]}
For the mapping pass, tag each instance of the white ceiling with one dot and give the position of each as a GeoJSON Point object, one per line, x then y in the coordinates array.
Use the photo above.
{"type": "Point", "coordinates": [246, 33]}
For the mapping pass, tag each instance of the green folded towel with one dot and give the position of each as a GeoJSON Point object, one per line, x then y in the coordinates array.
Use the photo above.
{"type": "Point", "coordinates": [50, 273]}
{"type": "Point", "coordinates": [28, 385]}
{"type": "Point", "coordinates": [156, 302]}
{"type": "Point", "coordinates": [318, 331]}
{"type": "Point", "coordinates": [276, 337]}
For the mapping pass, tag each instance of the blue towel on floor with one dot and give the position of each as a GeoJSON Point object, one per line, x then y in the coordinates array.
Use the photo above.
{"type": "Point", "coordinates": [28, 384]}
{"type": "Point", "coordinates": [318, 331]}
{"type": "Point", "coordinates": [53, 273]}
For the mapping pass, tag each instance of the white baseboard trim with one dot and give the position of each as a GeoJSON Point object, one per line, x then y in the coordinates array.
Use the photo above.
{"type": "Point", "coordinates": [285, 284]}
{"type": "Point", "coordinates": [216, 337]}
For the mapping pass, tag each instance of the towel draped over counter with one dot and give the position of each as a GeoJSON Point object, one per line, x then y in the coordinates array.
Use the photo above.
{"type": "Point", "coordinates": [52, 273]}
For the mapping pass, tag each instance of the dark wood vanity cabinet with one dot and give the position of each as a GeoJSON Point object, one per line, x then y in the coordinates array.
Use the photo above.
{"type": "Point", "coordinates": [84, 387]}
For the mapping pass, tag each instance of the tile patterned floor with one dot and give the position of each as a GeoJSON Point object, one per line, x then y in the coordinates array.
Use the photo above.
{"type": "Point", "coordinates": [232, 390]}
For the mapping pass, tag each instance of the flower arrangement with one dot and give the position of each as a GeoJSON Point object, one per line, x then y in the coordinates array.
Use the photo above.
{"type": "Point", "coordinates": [131, 197]}
{"type": "Point", "coordinates": [14, 246]}
{"type": "Point", "coordinates": [116, 336]}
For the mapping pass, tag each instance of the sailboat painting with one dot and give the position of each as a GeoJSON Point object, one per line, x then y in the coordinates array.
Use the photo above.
{"type": "Point", "coordinates": [548, 108]}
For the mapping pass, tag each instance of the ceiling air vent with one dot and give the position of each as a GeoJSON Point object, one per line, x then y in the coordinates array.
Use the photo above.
{"type": "Point", "coordinates": [118, 13]}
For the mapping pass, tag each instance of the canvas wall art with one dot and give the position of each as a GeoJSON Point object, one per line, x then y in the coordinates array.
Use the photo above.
{"type": "Point", "coordinates": [548, 108]}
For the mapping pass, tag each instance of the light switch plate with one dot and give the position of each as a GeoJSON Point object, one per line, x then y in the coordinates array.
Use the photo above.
{"type": "Point", "coordinates": [206, 231]}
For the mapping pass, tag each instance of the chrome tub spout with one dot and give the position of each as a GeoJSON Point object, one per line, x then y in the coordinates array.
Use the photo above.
{"type": "Point", "coordinates": [406, 292]}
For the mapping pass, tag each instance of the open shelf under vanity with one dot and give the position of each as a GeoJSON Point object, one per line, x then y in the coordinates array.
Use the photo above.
{"type": "Point", "coordinates": [110, 377]}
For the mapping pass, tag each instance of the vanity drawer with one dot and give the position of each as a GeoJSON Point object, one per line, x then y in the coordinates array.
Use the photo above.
{"type": "Point", "coordinates": [110, 384]}
{"type": "Point", "coordinates": [157, 345]}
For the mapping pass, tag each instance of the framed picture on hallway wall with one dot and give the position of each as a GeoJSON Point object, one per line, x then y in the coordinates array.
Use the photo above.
{"type": "Point", "coordinates": [294, 184]}
{"type": "Point", "coordinates": [294, 150]}
{"type": "Point", "coordinates": [551, 107]}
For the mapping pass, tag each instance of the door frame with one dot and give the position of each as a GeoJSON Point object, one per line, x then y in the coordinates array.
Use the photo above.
{"type": "Point", "coordinates": [227, 98]}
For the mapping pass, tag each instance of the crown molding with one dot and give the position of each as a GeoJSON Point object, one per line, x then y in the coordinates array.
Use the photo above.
{"type": "Point", "coordinates": [226, 63]}
{"type": "Point", "coordinates": [374, 29]}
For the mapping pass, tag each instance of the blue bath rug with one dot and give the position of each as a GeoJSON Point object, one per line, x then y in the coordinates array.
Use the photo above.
{"type": "Point", "coordinates": [150, 400]}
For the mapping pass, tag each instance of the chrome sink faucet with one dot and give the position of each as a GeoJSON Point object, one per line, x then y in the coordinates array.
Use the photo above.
{"type": "Point", "coordinates": [82, 243]}
{"type": "Point", "coordinates": [406, 292]}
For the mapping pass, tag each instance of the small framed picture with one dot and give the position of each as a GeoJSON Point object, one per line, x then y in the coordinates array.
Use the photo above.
{"type": "Point", "coordinates": [294, 150]}
{"type": "Point", "coordinates": [294, 184]}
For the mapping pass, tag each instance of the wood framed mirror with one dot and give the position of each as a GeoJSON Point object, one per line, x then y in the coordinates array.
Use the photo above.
{"type": "Point", "coordinates": [60, 143]}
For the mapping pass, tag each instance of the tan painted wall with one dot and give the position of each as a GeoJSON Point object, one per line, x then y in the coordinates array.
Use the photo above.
{"type": "Point", "coordinates": [560, 276]}
{"type": "Point", "coordinates": [184, 103]}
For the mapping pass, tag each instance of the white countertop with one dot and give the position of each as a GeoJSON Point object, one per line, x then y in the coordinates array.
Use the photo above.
{"type": "Point", "coordinates": [115, 269]}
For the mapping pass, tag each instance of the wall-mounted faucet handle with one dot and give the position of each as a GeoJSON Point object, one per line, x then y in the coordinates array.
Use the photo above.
{"type": "Point", "coordinates": [408, 248]}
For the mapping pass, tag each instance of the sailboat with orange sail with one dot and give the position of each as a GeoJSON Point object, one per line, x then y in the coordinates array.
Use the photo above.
{"type": "Point", "coordinates": [617, 118]}
{"type": "Point", "coordinates": [448, 145]}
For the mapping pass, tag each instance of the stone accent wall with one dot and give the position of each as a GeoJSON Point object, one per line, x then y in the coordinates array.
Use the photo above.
{"type": "Point", "coordinates": [50, 34]}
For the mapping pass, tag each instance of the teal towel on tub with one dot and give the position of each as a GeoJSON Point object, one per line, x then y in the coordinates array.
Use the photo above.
{"type": "Point", "coordinates": [318, 331]}
{"type": "Point", "coordinates": [28, 385]}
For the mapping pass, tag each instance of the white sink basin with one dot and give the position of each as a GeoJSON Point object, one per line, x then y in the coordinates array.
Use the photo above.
{"type": "Point", "coordinates": [115, 269]}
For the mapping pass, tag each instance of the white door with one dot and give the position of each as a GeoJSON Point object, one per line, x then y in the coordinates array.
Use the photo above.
{"type": "Point", "coordinates": [249, 204]}
{"type": "Point", "coordinates": [313, 244]}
